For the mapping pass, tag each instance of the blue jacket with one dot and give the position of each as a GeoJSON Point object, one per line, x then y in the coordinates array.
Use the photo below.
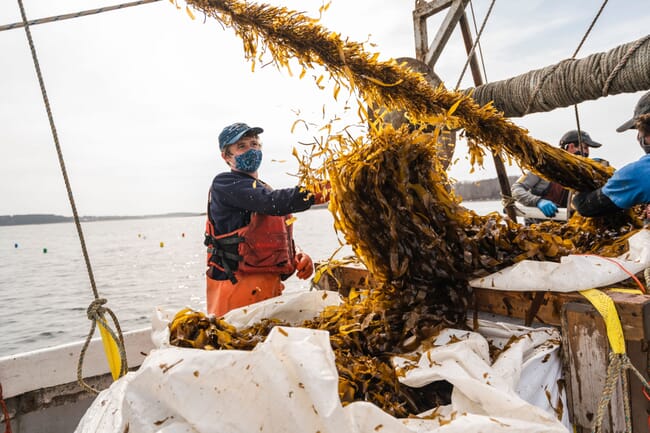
{"type": "Point", "coordinates": [630, 185]}
{"type": "Point", "coordinates": [627, 187]}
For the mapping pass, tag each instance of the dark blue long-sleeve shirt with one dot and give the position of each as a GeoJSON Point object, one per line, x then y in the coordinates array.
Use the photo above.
{"type": "Point", "coordinates": [234, 196]}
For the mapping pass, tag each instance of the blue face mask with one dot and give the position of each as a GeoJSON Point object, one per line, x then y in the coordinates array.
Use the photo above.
{"type": "Point", "coordinates": [249, 161]}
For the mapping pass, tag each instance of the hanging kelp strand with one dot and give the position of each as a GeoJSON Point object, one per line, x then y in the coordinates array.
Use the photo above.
{"type": "Point", "coordinates": [287, 35]}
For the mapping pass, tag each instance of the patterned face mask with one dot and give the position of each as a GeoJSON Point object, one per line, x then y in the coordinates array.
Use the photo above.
{"type": "Point", "coordinates": [249, 161]}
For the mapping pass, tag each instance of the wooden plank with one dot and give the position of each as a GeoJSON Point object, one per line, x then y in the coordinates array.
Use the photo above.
{"type": "Point", "coordinates": [633, 310]}
{"type": "Point", "coordinates": [585, 348]}
{"type": "Point", "coordinates": [342, 279]}
{"type": "Point", "coordinates": [429, 54]}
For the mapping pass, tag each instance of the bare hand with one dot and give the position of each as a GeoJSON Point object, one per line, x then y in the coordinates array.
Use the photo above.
{"type": "Point", "coordinates": [304, 266]}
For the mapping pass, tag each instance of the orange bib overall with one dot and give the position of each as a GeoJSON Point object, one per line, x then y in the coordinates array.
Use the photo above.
{"type": "Point", "coordinates": [255, 258]}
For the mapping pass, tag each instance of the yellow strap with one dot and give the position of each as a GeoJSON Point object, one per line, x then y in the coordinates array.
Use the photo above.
{"type": "Point", "coordinates": [605, 306]}
{"type": "Point", "coordinates": [630, 291]}
{"type": "Point", "coordinates": [110, 349]}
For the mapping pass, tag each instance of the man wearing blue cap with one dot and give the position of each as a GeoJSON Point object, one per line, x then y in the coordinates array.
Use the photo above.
{"type": "Point", "coordinates": [531, 190]}
{"type": "Point", "coordinates": [630, 185]}
{"type": "Point", "coordinates": [248, 232]}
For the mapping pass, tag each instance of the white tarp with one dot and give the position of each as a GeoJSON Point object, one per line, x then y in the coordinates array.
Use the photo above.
{"type": "Point", "coordinates": [289, 383]}
{"type": "Point", "coordinates": [573, 273]}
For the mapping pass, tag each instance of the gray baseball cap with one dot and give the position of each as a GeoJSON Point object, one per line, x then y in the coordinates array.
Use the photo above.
{"type": "Point", "coordinates": [572, 137]}
{"type": "Point", "coordinates": [642, 107]}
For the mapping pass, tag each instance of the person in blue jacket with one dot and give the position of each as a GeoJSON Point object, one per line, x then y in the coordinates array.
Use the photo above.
{"type": "Point", "coordinates": [249, 231]}
{"type": "Point", "coordinates": [531, 190]}
{"type": "Point", "coordinates": [630, 185]}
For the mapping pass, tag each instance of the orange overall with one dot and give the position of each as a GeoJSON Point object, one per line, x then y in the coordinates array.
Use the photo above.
{"type": "Point", "coordinates": [223, 296]}
{"type": "Point", "coordinates": [254, 257]}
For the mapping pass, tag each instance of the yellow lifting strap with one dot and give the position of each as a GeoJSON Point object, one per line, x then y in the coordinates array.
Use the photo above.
{"type": "Point", "coordinates": [618, 359]}
{"type": "Point", "coordinates": [113, 342]}
{"type": "Point", "coordinates": [605, 306]}
{"type": "Point", "coordinates": [110, 349]}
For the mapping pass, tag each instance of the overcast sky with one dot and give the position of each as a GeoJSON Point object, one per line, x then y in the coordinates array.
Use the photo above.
{"type": "Point", "coordinates": [140, 95]}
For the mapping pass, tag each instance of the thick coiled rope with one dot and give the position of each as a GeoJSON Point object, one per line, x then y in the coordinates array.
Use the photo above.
{"type": "Point", "coordinates": [624, 69]}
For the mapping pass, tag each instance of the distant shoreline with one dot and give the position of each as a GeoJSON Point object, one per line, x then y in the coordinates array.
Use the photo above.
{"type": "Point", "coordinates": [483, 190]}
{"type": "Point", "coordinates": [18, 220]}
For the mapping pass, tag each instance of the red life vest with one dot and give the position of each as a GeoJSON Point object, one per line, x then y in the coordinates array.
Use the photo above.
{"type": "Point", "coordinates": [264, 245]}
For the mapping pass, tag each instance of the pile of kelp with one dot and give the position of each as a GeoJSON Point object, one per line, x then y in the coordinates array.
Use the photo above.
{"type": "Point", "coordinates": [394, 205]}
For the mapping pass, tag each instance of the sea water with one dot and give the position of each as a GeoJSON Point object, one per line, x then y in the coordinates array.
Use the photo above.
{"type": "Point", "coordinates": [137, 265]}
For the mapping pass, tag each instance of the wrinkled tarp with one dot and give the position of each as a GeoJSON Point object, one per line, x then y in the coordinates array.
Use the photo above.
{"type": "Point", "coordinates": [573, 273]}
{"type": "Point", "coordinates": [289, 383]}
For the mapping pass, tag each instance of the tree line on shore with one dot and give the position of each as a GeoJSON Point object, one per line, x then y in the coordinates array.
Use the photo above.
{"type": "Point", "coordinates": [16, 220]}
{"type": "Point", "coordinates": [486, 189]}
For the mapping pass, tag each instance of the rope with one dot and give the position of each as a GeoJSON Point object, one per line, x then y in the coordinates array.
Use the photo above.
{"type": "Point", "coordinates": [623, 268]}
{"type": "Point", "coordinates": [593, 22]}
{"type": "Point", "coordinates": [575, 110]}
{"type": "Point", "coordinates": [575, 53]}
{"type": "Point", "coordinates": [480, 50]}
{"type": "Point", "coordinates": [74, 15]}
{"type": "Point", "coordinates": [478, 38]}
{"type": "Point", "coordinates": [623, 69]}
{"type": "Point", "coordinates": [507, 200]}
{"type": "Point", "coordinates": [95, 313]}
{"type": "Point", "coordinates": [622, 63]}
{"type": "Point", "coordinates": [5, 412]}
{"type": "Point", "coordinates": [70, 197]}
{"type": "Point", "coordinates": [618, 364]}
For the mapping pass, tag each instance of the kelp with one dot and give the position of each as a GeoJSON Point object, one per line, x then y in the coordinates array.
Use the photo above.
{"type": "Point", "coordinates": [392, 201]}
{"type": "Point", "coordinates": [287, 36]}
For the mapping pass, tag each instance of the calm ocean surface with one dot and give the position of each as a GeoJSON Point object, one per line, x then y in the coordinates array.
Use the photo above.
{"type": "Point", "coordinates": [44, 295]}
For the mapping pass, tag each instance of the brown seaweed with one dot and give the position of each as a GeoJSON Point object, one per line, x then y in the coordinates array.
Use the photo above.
{"type": "Point", "coordinates": [394, 205]}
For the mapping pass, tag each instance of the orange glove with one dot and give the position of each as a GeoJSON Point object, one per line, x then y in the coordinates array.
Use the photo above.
{"type": "Point", "coordinates": [304, 266]}
{"type": "Point", "coordinates": [322, 193]}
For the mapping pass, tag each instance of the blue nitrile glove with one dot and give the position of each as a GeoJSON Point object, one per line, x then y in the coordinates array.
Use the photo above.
{"type": "Point", "coordinates": [547, 207]}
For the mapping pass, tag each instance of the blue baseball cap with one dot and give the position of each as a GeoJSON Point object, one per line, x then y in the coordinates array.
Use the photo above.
{"type": "Point", "coordinates": [232, 133]}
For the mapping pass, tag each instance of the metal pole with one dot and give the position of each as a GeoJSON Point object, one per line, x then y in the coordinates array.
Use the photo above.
{"type": "Point", "coordinates": [478, 81]}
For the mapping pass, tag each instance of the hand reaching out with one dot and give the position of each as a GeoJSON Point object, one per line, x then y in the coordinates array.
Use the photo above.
{"type": "Point", "coordinates": [547, 207]}
{"type": "Point", "coordinates": [304, 266]}
{"type": "Point", "coordinates": [322, 193]}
